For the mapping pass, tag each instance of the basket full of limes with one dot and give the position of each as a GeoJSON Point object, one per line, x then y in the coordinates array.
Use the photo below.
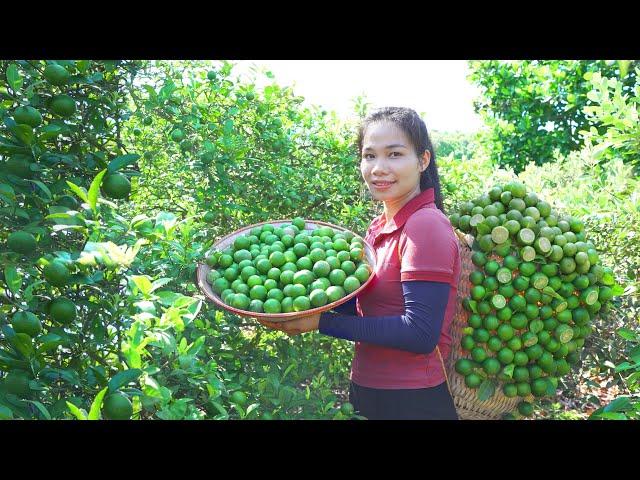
{"type": "Point", "coordinates": [286, 269]}
{"type": "Point", "coordinates": [530, 288]}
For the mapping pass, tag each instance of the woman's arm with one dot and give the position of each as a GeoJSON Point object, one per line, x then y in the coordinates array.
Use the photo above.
{"type": "Point", "coordinates": [417, 330]}
{"type": "Point", "coordinates": [347, 308]}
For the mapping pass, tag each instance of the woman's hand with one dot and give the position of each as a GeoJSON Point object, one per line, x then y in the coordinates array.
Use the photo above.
{"type": "Point", "coordinates": [294, 327]}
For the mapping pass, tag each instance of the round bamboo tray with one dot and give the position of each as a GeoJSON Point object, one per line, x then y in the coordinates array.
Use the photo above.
{"type": "Point", "coordinates": [468, 406]}
{"type": "Point", "coordinates": [203, 269]}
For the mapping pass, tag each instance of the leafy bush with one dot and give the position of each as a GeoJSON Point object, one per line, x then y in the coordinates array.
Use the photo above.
{"type": "Point", "coordinates": [134, 325]}
{"type": "Point", "coordinates": [616, 109]}
{"type": "Point", "coordinates": [536, 108]}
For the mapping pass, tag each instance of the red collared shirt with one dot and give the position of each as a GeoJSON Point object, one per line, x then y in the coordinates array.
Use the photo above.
{"type": "Point", "coordinates": [417, 244]}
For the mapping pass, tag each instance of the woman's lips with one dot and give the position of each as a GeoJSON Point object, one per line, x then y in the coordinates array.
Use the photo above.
{"type": "Point", "coordinates": [382, 185]}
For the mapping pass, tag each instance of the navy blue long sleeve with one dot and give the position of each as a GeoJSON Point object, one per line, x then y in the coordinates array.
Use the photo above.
{"type": "Point", "coordinates": [347, 308]}
{"type": "Point", "coordinates": [417, 330]}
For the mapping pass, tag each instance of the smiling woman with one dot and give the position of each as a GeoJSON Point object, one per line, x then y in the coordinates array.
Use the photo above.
{"type": "Point", "coordinates": [401, 322]}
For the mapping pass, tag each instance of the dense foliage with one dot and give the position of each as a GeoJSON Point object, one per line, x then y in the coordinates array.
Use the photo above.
{"type": "Point", "coordinates": [536, 108]}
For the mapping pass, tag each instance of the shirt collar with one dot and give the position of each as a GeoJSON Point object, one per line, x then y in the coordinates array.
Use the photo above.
{"type": "Point", "coordinates": [425, 198]}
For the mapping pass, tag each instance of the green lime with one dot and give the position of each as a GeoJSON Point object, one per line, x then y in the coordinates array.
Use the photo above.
{"type": "Point", "coordinates": [491, 322]}
{"type": "Point", "coordinates": [491, 366]}
{"type": "Point", "coordinates": [258, 292]}
{"type": "Point", "coordinates": [287, 305]}
{"type": "Point", "coordinates": [297, 290]}
{"type": "Point", "coordinates": [318, 297]}
{"type": "Point", "coordinates": [301, 303]}
{"type": "Point", "coordinates": [351, 284]}
{"type": "Point", "coordinates": [335, 293]}
{"type": "Point", "coordinates": [362, 273]}
{"type": "Point", "coordinates": [56, 273]}
{"type": "Point", "coordinates": [467, 342]}
{"type": "Point", "coordinates": [519, 321]}
{"type": "Point", "coordinates": [28, 323]}
{"type": "Point", "coordinates": [478, 354]}
{"type": "Point", "coordinates": [117, 407]}
{"type": "Point", "coordinates": [509, 390]}
{"type": "Point", "coordinates": [505, 356]}
{"type": "Point", "coordinates": [272, 305]}
{"type": "Point", "coordinates": [337, 277]}
{"type": "Point", "coordinates": [256, 306]}
{"type": "Point", "coordinates": [472, 380]}
{"type": "Point", "coordinates": [241, 301]}
{"type": "Point", "coordinates": [491, 267]}
{"type": "Point", "coordinates": [464, 366]}
{"type": "Point", "coordinates": [505, 332]}
{"type": "Point", "coordinates": [343, 256]}
{"type": "Point", "coordinates": [515, 344]}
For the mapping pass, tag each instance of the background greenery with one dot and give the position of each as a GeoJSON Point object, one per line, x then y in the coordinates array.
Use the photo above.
{"type": "Point", "coordinates": [248, 155]}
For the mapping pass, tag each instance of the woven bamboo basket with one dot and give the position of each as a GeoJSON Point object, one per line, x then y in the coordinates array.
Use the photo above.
{"type": "Point", "coordinates": [468, 406]}
{"type": "Point", "coordinates": [221, 244]}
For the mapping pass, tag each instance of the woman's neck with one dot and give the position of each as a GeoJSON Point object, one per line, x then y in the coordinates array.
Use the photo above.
{"type": "Point", "coordinates": [391, 207]}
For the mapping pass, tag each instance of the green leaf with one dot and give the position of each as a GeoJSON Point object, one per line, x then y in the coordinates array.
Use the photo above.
{"type": "Point", "coordinates": [94, 189]}
{"type": "Point", "coordinates": [473, 305]}
{"type": "Point", "coordinates": [94, 413]}
{"type": "Point", "coordinates": [13, 278]}
{"type": "Point", "coordinates": [5, 413]}
{"type": "Point", "coordinates": [119, 162]}
{"type": "Point", "coordinates": [168, 298]}
{"type": "Point", "coordinates": [608, 279]}
{"type": "Point", "coordinates": [65, 219]}
{"type": "Point", "coordinates": [49, 341]}
{"type": "Point", "coordinates": [289, 368]}
{"type": "Point", "coordinates": [42, 408]}
{"type": "Point", "coordinates": [22, 343]}
{"type": "Point", "coordinates": [143, 283]}
{"type": "Point", "coordinates": [635, 354]}
{"type": "Point", "coordinates": [486, 390]}
{"type": "Point", "coordinates": [134, 360]}
{"type": "Point", "coordinates": [617, 290]}
{"type": "Point", "coordinates": [508, 370]}
{"type": "Point", "coordinates": [24, 133]}
{"type": "Point", "coordinates": [123, 377]}
{"type": "Point", "coordinates": [608, 416]}
{"type": "Point", "coordinates": [620, 404]}
{"type": "Point", "coordinates": [160, 282]}
{"type": "Point", "coordinates": [50, 131]}
{"type": "Point", "coordinates": [152, 93]}
{"type": "Point", "coordinates": [14, 78]}
{"type": "Point", "coordinates": [28, 292]}
{"type": "Point", "coordinates": [7, 191]}
{"type": "Point", "coordinates": [624, 366]}
{"type": "Point", "coordinates": [628, 334]}
{"type": "Point", "coordinates": [44, 188]}
{"type": "Point", "coordinates": [623, 65]}
{"type": "Point", "coordinates": [220, 408]}
{"type": "Point", "coordinates": [196, 345]}
{"type": "Point", "coordinates": [80, 192]}
{"type": "Point", "coordinates": [79, 414]}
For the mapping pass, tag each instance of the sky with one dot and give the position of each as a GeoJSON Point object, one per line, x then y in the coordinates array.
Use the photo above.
{"type": "Point", "coordinates": [436, 89]}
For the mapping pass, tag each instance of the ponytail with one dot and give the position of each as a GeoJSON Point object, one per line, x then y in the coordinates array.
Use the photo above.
{"type": "Point", "coordinates": [430, 179]}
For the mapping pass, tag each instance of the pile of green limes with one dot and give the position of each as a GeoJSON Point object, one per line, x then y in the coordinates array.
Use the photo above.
{"type": "Point", "coordinates": [288, 268]}
{"type": "Point", "coordinates": [537, 286]}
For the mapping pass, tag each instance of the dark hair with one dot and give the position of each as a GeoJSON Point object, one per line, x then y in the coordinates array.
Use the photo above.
{"type": "Point", "coordinates": [414, 127]}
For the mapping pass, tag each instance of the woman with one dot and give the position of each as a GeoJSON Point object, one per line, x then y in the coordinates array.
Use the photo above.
{"type": "Point", "coordinates": [401, 322]}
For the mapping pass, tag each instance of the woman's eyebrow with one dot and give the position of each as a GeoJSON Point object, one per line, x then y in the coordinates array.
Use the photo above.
{"type": "Point", "coordinates": [394, 145]}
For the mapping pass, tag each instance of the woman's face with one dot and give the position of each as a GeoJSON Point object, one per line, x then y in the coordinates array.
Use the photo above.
{"type": "Point", "coordinates": [389, 164]}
